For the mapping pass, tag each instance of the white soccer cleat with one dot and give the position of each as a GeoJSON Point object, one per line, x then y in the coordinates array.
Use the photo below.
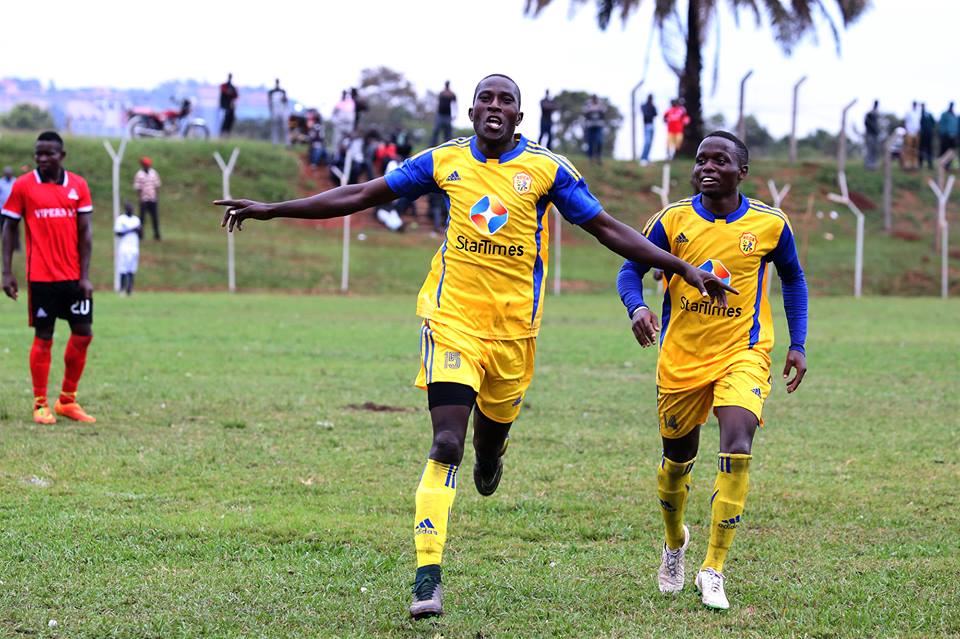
{"type": "Point", "coordinates": [671, 575]}
{"type": "Point", "coordinates": [710, 584]}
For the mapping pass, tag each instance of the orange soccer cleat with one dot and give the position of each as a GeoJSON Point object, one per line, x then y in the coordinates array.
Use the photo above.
{"type": "Point", "coordinates": [42, 414]}
{"type": "Point", "coordinates": [74, 411]}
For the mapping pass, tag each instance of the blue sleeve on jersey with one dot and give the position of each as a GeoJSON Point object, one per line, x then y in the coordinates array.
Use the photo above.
{"type": "Point", "coordinates": [630, 278]}
{"type": "Point", "coordinates": [794, 285]}
{"type": "Point", "coordinates": [572, 198]}
{"type": "Point", "coordinates": [414, 177]}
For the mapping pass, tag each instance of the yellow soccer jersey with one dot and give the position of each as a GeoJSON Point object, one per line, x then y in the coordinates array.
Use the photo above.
{"type": "Point", "coordinates": [700, 340]}
{"type": "Point", "coordinates": [487, 277]}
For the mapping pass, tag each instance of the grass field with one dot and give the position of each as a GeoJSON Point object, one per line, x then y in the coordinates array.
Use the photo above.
{"type": "Point", "coordinates": [233, 488]}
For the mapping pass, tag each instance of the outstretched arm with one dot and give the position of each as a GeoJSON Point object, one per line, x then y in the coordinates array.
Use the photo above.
{"type": "Point", "coordinates": [338, 202]}
{"type": "Point", "coordinates": [631, 244]}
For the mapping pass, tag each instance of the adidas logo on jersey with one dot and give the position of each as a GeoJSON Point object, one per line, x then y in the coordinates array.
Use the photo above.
{"type": "Point", "coordinates": [756, 391]}
{"type": "Point", "coordinates": [425, 527]}
{"type": "Point", "coordinates": [41, 312]}
{"type": "Point", "coordinates": [680, 239]}
{"type": "Point", "coordinates": [453, 177]}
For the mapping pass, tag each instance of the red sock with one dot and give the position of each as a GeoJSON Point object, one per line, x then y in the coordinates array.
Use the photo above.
{"type": "Point", "coordinates": [75, 358]}
{"type": "Point", "coordinates": [40, 367]}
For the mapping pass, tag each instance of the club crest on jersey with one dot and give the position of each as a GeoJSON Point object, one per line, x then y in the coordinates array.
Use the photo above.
{"type": "Point", "coordinates": [522, 182]}
{"type": "Point", "coordinates": [748, 243]}
{"type": "Point", "coordinates": [489, 214]}
{"type": "Point", "coordinates": [717, 268]}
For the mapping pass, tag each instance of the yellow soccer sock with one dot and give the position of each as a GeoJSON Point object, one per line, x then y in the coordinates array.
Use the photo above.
{"type": "Point", "coordinates": [435, 495]}
{"type": "Point", "coordinates": [673, 486]}
{"type": "Point", "coordinates": [729, 497]}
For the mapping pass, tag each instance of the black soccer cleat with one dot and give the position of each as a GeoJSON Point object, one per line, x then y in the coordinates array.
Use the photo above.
{"type": "Point", "coordinates": [487, 472]}
{"type": "Point", "coordinates": [427, 593]}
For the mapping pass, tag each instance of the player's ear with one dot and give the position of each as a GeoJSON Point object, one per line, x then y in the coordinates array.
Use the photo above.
{"type": "Point", "coordinates": [470, 114]}
{"type": "Point", "coordinates": [744, 170]}
{"type": "Point", "coordinates": [519, 117]}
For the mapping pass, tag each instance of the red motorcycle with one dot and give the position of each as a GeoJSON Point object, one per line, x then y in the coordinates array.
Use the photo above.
{"type": "Point", "coordinates": [146, 122]}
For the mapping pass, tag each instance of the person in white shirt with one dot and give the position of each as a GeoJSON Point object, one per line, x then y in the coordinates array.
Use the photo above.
{"type": "Point", "coordinates": [128, 230]}
{"type": "Point", "coordinates": [909, 158]}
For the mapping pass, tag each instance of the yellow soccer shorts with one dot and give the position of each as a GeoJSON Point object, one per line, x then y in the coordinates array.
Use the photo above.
{"type": "Point", "coordinates": [746, 385]}
{"type": "Point", "coordinates": [499, 371]}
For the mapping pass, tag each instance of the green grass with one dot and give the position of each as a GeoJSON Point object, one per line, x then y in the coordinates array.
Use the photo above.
{"type": "Point", "coordinates": [305, 258]}
{"type": "Point", "coordinates": [229, 490]}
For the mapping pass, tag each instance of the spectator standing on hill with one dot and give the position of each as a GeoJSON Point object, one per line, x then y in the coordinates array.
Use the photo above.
{"type": "Point", "coordinates": [911, 138]}
{"type": "Point", "coordinates": [128, 230]}
{"type": "Point", "coordinates": [277, 103]}
{"type": "Point", "coordinates": [55, 207]}
{"type": "Point", "coordinates": [677, 119]}
{"type": "Point", "coordinates": [649, 113]}
{"type": "Point", "coordinates": [360, 107]}
{"type": "Point", "coordinates": [948, 131]}
{"type": "Point", "coordinates": [146, 183]}
{"type": "Point", "coordinates": [927, 128]}
{"type": "Point", "coordinates": [594, 117]}
{"type": "Point", "coordinates": [344, 114]}
{"type": "Point", "coordinates": [548, 106]}
{"type": "Point", "coordinates": [316, 138]}
{"type": "Point", "coordinates": [871, 137]}
{"type": "Point", "coordinates": [443, 125]}
{"type": "Point", "coordinates": [228, 106]}
{"type": "Point", "coordinates": [6, 185]}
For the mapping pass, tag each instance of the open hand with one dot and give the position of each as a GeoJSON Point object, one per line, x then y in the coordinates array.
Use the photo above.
{"type": "Point", "coordinates": [645, 327]}
{"type": "Point", "coordinates": [709, 285]}
{"type": "Point", "coordinates": [798, 361]}
{"type": "Point", "coordinates": [240, 210]}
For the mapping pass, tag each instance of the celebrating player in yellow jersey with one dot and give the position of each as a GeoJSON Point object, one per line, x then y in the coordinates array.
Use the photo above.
{"type": "Point", "coordinates": [482, 301]}
{"type": "Point", "coordinates": [711, 354]}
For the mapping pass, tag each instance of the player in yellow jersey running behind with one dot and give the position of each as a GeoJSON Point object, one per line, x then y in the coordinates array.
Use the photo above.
{"type": "Point", "coordinates": [714, 355]}
{"type": "Point", "coordinates": [482, 300]}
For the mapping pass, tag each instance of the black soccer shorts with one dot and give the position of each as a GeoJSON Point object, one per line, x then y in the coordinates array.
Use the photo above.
{"type": "Point", "coordinates": [50, 300]}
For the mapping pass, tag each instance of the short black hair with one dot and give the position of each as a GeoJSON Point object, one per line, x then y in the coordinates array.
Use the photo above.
{"type": "Point", "coordinates": [497, 75]}
{"type": "Point", "coordinates": [50, 136]}
{"type": "Point", "coordinates": [743, 154]}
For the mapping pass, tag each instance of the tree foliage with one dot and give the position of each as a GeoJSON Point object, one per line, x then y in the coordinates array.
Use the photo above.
{"type": "Point", "coordinates": [789, 21]}
{"type": "Point", "coordinates": [27, 117]}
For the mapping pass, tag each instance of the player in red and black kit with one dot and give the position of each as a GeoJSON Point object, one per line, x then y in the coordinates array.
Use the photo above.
{"type": "Point", "coordinates": [55, 206]}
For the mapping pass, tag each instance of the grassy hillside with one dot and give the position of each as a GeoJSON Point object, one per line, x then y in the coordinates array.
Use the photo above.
{"type": "Point", "coordinates": [306, 258]}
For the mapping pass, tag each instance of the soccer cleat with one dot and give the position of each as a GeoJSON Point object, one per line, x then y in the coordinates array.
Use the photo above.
{"type": "Point", "coordinates": [427, 593]}
{"type": "Point", "coordinates": [710, 584]}
{"type": "Point", "coordinates": [42, 414]}
{"type": "Point", "coordinates": [671, 574]}
{"type": "Point", "coordinates": [73, 411]}
{"type": "Point", "coordinates": [487, 472]}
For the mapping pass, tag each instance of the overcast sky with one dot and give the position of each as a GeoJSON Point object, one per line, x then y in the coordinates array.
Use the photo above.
{"type": "Point", "coordinates": [899, 51]}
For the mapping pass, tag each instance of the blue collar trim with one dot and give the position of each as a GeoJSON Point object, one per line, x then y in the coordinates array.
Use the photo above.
{"type": "Point", "coordinates": [710, 217]}
{"type": "Point", "coordinates": [506, 157]}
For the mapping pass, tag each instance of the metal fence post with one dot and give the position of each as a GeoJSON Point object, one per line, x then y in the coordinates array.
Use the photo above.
{"type": "Point", "coordinates": [117, 157]}
{"type": "Point", "coordinates": [793, 121]}
{"type": "Point", "coordinates": [226, 168]}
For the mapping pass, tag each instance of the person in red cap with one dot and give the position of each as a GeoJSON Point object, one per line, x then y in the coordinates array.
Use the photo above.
{"type": "Point", "coordinates": [146, 183]}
